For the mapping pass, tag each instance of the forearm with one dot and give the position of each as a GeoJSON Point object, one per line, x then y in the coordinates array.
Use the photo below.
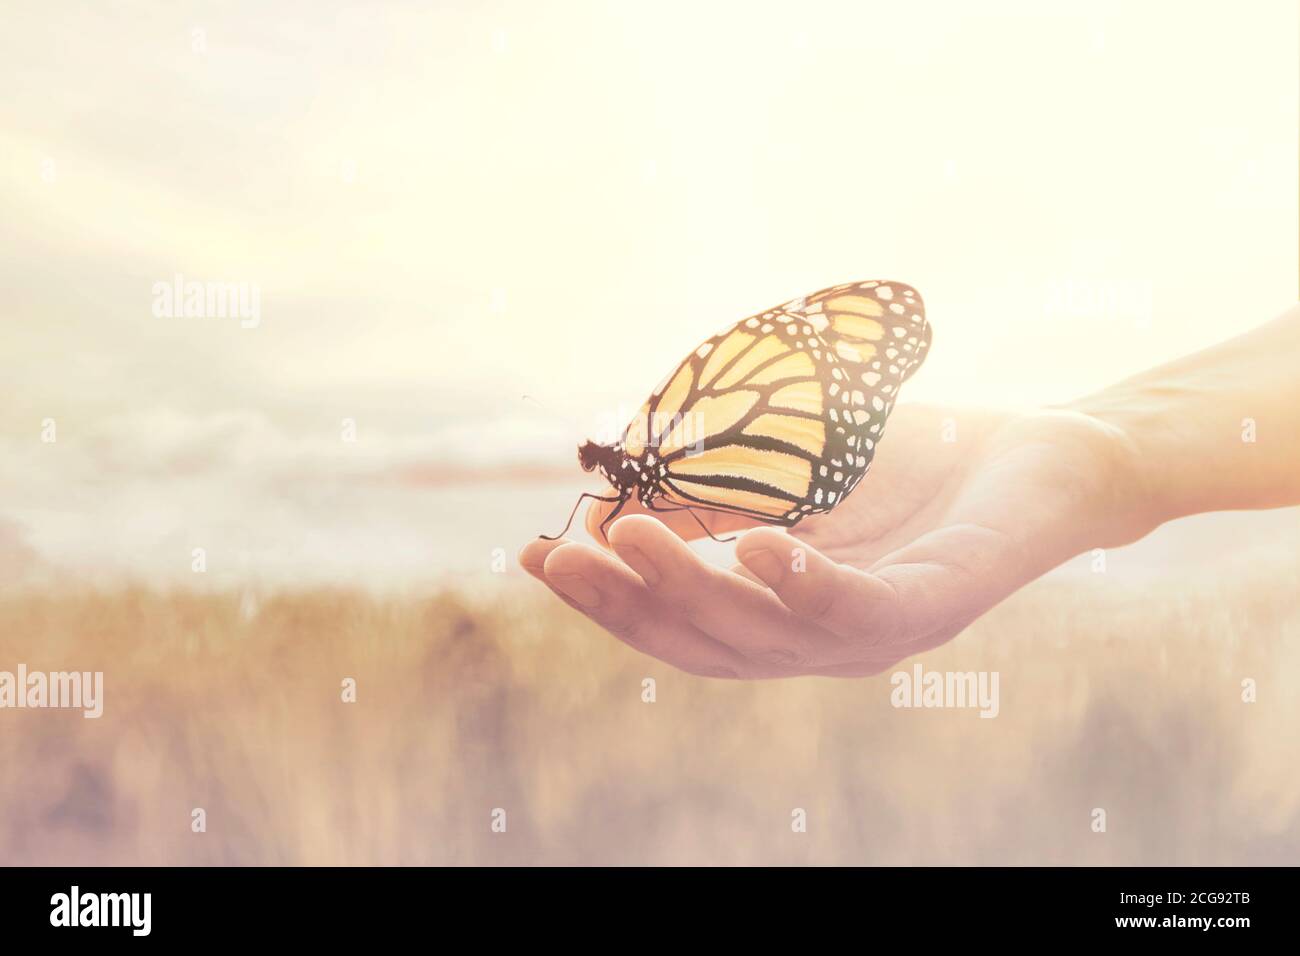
{"type": "Point", "coordinates": [1217, 430]}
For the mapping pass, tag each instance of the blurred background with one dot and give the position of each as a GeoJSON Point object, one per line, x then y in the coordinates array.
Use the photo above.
{"type": "Point", "coordinates": [479, 232]}
{"type": "Point", "coordinates": [450, 206]}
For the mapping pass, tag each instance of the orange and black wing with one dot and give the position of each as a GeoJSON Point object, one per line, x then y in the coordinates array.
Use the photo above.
{"type": "Point", "coordinates": [778, 416]}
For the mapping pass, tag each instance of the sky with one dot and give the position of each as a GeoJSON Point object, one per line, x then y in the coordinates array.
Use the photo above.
{"type": "Point", "coordinates": [479, 231]}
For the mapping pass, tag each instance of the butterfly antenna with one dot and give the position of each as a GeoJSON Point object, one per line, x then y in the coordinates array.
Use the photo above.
{"type": "Point", "coordinates": [576, 505]}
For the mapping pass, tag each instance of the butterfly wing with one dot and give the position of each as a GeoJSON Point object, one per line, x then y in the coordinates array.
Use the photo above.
{"type": "Point", "coordinates": [879, 335]}
{"type": "Point", "coordinates": [778, 416]}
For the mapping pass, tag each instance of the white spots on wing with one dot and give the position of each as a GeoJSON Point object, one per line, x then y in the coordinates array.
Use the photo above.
{"type": "Point", "coordinates": [847, 351]}
{"type": "Point", "coordinates": [884, 292]}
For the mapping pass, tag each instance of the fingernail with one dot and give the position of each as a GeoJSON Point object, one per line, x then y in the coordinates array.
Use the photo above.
{"type": "Point", "coordinates": [576, 587]}
{"type": "Point", "coordinates": [636, 559]}
{"type": "Point", "coordinates": [765, 564]}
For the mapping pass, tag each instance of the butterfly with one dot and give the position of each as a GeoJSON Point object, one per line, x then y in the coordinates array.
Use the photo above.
{"type": "Point", "coordinates": [776, 417]}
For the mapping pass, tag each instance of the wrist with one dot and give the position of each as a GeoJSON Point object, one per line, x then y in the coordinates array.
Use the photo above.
{"type": "Point", "coordinates": [1215, 430]}
{"type": "Point", "coordinates": [1158, 453]}
{"type": "Point", "coordinates": [1120, 497]}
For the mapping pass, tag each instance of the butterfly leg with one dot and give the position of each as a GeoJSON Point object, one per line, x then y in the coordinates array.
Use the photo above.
{"type": "Point", "coordinates": [577, 505]}
{"type": "Point", "coordinates": [692, 513]}
{"type": "Point", "coordinates": [707, 531]}
{"type": "Point", "coordinates": [612, 515]}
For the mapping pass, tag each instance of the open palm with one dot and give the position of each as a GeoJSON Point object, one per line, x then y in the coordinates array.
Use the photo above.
{"type": "Point", "coordinates": [959, 510]}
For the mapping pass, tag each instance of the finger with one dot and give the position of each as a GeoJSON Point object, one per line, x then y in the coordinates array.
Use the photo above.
{"type": "Point", "coordinates": [745, 573]}
{"type": "Point", "coordinates": [857, 607]}
{"type": "Point", "coordinates": [682, 523]}
{"type": "Point", "coordinates": [732, 610]}
{"type": "Point", "coordinates": [533, 555]}
{"type": "Point", "coordinates": [533, 559]}
{"type": "Point", "coordinates": [614, 597]}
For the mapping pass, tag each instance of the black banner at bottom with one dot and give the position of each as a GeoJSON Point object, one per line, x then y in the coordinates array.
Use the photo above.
{"type": "Point", "coordinates": [1173, 905]}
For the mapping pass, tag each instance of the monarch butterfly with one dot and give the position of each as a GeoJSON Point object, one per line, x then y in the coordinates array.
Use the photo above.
{"type": "Point", "coordinates": [777, 416]}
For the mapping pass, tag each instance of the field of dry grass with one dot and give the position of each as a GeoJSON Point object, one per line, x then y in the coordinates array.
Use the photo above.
{"type": "Point", "coordinates": [1116, 696]}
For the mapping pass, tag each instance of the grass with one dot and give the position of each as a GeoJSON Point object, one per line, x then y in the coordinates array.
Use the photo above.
{"type": "Point", "coordinates": [1121, 697]}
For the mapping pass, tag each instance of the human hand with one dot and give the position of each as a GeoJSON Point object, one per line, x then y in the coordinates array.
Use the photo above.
{"type": "Point", "coordinates": [960, 509]}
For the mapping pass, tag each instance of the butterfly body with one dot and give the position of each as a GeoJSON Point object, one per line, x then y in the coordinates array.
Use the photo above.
{"type": "Point", "coordinates": [776, 417]}
{"type": "Point", "coordinates": [631, 477]}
